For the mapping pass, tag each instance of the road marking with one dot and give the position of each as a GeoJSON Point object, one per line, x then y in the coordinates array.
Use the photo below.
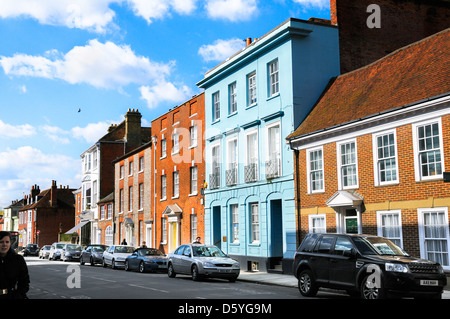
{"type": "Point", "coordinates": [150, 288]}
{"type": "Point", "coordinates": [103, 279]}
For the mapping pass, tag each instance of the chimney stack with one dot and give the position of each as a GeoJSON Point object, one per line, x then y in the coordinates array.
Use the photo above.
{"type": "Point", "coordinates": [133, 128]}
{"type": "Point", "coordinates": [249, 41]}
{"type": "Point", "coordinates": [333, 11]}
{"type": "Point", "coordinates": [53, 194]}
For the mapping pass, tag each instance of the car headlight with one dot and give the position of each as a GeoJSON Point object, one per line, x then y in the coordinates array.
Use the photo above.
{"type": "Point", "coordinates": [396, 267]}
{"type": "Point", "coordinates": [440, 269]}
{"type": "Point", "coordinates": [208, 264]}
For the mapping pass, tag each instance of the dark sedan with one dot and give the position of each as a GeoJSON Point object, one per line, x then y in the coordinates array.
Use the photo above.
{"type": "Point", "coordinates": [146, 259]}
{"type": "Point", "coordinates": [93, 254]}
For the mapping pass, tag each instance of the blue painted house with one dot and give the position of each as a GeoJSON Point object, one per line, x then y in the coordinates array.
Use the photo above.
{"type": "Point", "coordinates": [253, 100]}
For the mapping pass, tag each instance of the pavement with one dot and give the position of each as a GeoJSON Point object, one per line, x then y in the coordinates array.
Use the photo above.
{"type": "Point", "coordinates": [291, 281]}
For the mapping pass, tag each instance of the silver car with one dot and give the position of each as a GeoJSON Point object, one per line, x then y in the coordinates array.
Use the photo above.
{"type": "Point", "coordinates": [44, 252]}
{"type": "Point", "coordinates": [202, 261]}
{"type": "Point", "coordinates": [115, 255]}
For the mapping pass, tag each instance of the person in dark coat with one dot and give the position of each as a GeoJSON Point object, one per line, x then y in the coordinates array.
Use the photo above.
{"type": "Point", "coordinates": [14, 277]}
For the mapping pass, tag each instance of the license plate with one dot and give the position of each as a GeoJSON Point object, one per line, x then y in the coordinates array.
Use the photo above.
{"type": "Point", "coordinates": [428, 282]}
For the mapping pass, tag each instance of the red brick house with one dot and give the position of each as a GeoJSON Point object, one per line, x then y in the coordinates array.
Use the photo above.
{"type": "Point", "coordinates": [46, 214]}
{"type": "Point", "coordinates": [179, 174]}
{"type": "Point", "coordinates": [132, 198]}
{"type": "Point", "coordinates": [371, 155]}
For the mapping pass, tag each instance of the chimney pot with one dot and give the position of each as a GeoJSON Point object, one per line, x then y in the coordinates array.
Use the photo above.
{"type": "Point", "coordinates": [249, 41]}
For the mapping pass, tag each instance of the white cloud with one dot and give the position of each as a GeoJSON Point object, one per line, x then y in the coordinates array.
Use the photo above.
{"type": "Point", "coordinates": [55, 133]}
{"type": "Point", "coordinates": [103, 65]}
{"type": "Point", "coordinates": [158, 9]}
{"type": "Point", "coordinates": [83, 14]}
{"type": "Point", "coordinates": [8, 130]}
{"type": "Point", "coordinates": [92, 132]}
{"type": "Point", "coordinates": [221, 49]}
{"type": "Point", "coordinates": [25, 166]}
{"type": "Point", "coordinates": [321, 4]}
{"type": "Point", "coordinates": [164, 91]}
{"type": "Point", "coordinates": [232, 10]}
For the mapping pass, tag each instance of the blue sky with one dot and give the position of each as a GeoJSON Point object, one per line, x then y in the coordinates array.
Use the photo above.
{"type": "Point", "coordinates": [104, 57]}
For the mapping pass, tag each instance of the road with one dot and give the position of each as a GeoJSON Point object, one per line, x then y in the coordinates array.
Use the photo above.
{"type": "Point", "coordinates": [57, 280]}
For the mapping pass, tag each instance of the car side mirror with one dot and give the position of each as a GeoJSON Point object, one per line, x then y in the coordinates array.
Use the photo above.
{"type": "Point", "coordinates": [350, 253]}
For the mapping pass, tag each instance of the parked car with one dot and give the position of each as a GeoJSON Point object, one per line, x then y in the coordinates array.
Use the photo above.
{"type": "Point", "coordinates": [71, 252]}
{"type": "Point", "coordinates": [202, 261]}
{"type": "Point", "coordinates": [31, 250]}
{"type": "Point", "coordinates": [146, 259]}
{"type": "Point", "coordinates": [115, 255]}
{"type": "Point", "coordinates": [93, 254]}
{"type": "Point", "coordinates": [55, 251]}
{"type": "Point", "coordinates": [371, 266]}
{"type": "Point", "coordinates": [44, 252]}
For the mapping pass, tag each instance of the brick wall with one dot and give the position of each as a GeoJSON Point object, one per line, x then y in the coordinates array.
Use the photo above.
{"type": "Point", "coordinates": [407, 195]}
{"type": "Point", "coordinates": [402, 22]}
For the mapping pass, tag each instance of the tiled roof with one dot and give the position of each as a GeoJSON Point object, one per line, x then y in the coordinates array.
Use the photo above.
{"type": "Point", "coordinates": [411, 74]}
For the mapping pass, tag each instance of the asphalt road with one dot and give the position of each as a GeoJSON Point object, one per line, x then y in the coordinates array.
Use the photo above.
{"type": "Point", "coordinates": [69, 280]}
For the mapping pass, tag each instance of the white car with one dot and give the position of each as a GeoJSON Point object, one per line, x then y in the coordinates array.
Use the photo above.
{"type": "Point", "coordinates": [115, 255]}
{"type": "Point", "coordinates": [55, 251]}
{"type": "Point", "coordinates": [44, 252]}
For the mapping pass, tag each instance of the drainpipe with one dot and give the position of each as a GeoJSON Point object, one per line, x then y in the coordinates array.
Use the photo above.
{"type": "Point", "coordinates": [154, 139]}
{"type": "Point", "coordinates": [297, 191]}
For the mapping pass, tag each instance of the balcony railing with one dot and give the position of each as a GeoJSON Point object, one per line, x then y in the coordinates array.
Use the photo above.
{"type": "Point", "coordinates": [232, 175]}
{"type": "Point", "coordinates": [251, 172]}
{"type": "Point", "coordinates": [273, 168]}
{"type": "Point", "coordinates": [214, 178]}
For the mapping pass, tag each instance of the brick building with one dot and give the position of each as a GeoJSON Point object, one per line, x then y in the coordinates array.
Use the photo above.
{"type": "Point", "coordinates": [49, 212]}
{"type": "Point", "coordinates": [371, 155]}
{"type": "Point", "coordinates": [179, 175]}
{"type": "Point", "coordinates": [98, 170]}
{"type": "Point", "coordinates": [132, 199]}
{"type": "Point", "coordinates": [402, 22]}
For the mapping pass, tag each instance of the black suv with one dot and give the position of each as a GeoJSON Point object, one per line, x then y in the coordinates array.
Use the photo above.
{"type": "Point", "coordinates": [370, 266]}
{"type": "Point", "coordinates": [31, 250]}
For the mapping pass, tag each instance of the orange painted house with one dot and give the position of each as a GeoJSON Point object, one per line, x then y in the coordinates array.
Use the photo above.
{"type": "Point", "coordinates": [179, 174]}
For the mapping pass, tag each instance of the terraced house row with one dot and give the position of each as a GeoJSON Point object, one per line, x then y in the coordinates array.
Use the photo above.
{"type": "Point", "coordinates": [303, 130]}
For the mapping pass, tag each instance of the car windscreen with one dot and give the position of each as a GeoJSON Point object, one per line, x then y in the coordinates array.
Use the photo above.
{"type": "Point", "coordinates": [150, 252]}
{"type": "Point", "coordinates": [378, 246]}
{"type": "Point", "coordinates": [207, 251]}
{"type": "Point", "coordinates": [73, 247]}
{"type": "Point", "coordinates": [59, 246]}
{"type": "Point", "coordinates": [124, 249]}
{"type": "Point", "coordinates": [98, 249]}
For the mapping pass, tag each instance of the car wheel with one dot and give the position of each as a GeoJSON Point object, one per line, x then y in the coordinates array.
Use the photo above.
{"type": "Point", "coordinates": [91, 261]}
{"type": "Point", "coordinates": [103, 263]}
{"type": "Point", "coordinates": [170, 271]}
{"type": "Point", "coordinates": [141, 267]}
{"type": "Point", "coordinates": [306, 284]}
{"type": "Point", "coordinates": [370, 291]}
{"type": "Point", "coordinates": [127, 266]}
{"type": "Point", "coordinates": [232, 279]}
{"type": "Point", "coordinates": [81, 261]}
{"type": "Point", "coordinates": [195, 274]}
{"type": "Point", "coordinates": [113, 264]}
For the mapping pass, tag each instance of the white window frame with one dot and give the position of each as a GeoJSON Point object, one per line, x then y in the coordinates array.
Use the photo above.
{"type": "Point", "coordinates": [274, 78]}
{"type": "Point", "coordinates": [219, 160]}
{"type": "Point", "coordinates": [176, 184]}
{"type": "Point", "coordinates": [312, 228]}
{"type": "Point", "coordinates": [232, 161]}
{"type": "Point", "coordinates": [380, 227]}
{"type": "Point", "coordinates": [247, 159]}
{"type": "Point", "coordinates": [193, 180]}
{"type": "Point", "coordinates": [255, 223]}
{"type": "Point", "coordinates": [252, 93]}
{"type": "Point", "coordinates": [279, 152]}
{"type": "Point", "coordinates": [339, 164]}
{"type": "Point", "coordinates": [376, 159]}
{"type": "Point", "coordinates": [232, 98]}
{"type": "Point", "coordinates": [309, 172]}
{"type": "Point", "coordinates": [163, 186]}
{"type": "Point", "coordinates": [216, 106]}
{"type": "Point", "coordinates": [175, 143]}
{"type": "Point", "coordinates": [193, 136]}
{"type": "Point", "coordinates": [420, 213]}
{"type": "Point", "coordinates": [234, 217]}
{"type": "Point", "coordinates": [417, 166]}
{"type": "Point", "coordinates": [163, 148]}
